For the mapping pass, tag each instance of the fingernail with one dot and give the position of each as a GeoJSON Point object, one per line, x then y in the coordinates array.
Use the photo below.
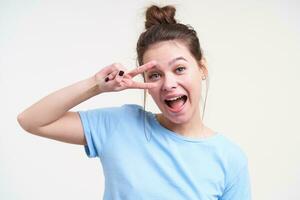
{"type": "Point", "coordinates": [121, 73]}
{"type": "Point", "coordinates": [106, 79]}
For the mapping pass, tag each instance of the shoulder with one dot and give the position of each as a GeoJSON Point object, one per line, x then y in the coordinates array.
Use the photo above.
{"type": "Point", "coordinates": [132, 107]}
{"type": "Point", "coordinates": [124, 111]}
{"type": "Point", "coordinates": [133, 110]}
{"type": "Point", "coordinates": [235, 166]}
{"type": "Point", "coordinates": [232, 154]}
{"type": "Point", "coordinates": [122, 108]}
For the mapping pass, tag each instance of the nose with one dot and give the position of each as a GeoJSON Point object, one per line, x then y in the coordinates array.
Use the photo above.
{"type": "Point", "coordinates": [170, 83]}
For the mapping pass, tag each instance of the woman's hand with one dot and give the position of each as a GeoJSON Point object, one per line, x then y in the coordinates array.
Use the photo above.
{"type": "Point", "coordinates": [116, 78]}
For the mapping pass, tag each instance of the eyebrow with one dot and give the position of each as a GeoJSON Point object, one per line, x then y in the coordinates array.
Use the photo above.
{"type": "Point", "coordinates": [176, 59]}
{"type": "Point", "coordinates": [172, 61]}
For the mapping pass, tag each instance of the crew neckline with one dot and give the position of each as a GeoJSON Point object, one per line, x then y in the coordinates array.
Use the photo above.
{"type": "Point", "coordinates": [181, 137]}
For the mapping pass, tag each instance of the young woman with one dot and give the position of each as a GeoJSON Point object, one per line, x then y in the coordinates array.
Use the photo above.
{"type": "Point", "coordinates": [170, 155]}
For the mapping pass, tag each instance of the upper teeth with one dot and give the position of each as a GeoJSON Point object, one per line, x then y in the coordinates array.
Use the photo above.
{"type": "Point", "coordinates": [175, 98]}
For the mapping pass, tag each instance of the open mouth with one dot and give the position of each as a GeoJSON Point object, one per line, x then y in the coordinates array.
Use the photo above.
{"type": "Point", "coordinates": [176, 102]}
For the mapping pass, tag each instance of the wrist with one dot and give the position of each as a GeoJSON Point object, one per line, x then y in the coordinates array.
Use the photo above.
{"type": "Point", "coordinates": [93, 86]}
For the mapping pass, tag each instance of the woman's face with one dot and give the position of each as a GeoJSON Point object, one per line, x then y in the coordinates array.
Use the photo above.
{"type": "Point", "coordinates": [178, 76]}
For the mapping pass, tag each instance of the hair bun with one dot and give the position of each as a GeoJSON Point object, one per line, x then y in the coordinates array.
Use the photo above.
{"type": "Point", "coordinates": [160, 15]}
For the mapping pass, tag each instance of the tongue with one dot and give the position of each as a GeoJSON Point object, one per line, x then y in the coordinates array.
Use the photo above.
{"type": "Point", "coordinates": [176, 104]}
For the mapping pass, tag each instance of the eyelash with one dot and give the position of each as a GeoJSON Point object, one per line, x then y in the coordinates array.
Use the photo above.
{"type": "Point", "coordinates": [180, 67]}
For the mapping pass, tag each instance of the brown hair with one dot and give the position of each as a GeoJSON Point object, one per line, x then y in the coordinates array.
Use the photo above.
{"type": "Point", "coordinates": [161, 25]}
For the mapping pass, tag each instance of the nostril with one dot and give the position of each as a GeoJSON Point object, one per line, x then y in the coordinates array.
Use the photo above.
{"type": "Point", "coordinates": [165, 88]}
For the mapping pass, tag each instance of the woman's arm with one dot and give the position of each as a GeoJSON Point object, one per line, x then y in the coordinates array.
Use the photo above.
{"type": "Point", "coordinates": [50, 118]}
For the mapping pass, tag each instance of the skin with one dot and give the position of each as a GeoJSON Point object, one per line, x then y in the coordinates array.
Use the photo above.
{"type": "Point", "coordinates": [53, 119]}
{"type": "Point", "coordinates": [177, 72]}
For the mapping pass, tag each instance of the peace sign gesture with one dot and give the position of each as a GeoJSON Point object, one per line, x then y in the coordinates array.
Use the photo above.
{"type": "Point", "coordinates": [115, 77]}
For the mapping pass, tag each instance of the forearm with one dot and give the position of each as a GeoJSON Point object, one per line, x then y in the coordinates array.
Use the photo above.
{"type": "Point", "coordinates": [56, 104]}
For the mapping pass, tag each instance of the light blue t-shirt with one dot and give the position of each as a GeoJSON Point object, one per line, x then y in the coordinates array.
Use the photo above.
{"type": "Point", "coordinates": [164, 165]}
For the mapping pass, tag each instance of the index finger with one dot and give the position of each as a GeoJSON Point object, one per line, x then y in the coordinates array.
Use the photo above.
{"type": "Point", "coordinates": [142, 68]}
{"type": "Point", "coordinates": [139, 85]}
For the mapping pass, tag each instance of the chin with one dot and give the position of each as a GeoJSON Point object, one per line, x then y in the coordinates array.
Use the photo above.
{"type": "Point", "coordinates": [180, 119]}
{"type": "Point", "coordinates": [181, 116]}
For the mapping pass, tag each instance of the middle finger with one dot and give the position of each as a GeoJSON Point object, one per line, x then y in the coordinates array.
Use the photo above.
{"type": "Point", "coordinates": [142, 68]}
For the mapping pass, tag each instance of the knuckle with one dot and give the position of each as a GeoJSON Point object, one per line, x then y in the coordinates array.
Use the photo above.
{"type": "Point", "coordinates": [118, 80]}
{"type": "Point", "coordinates": [116, 65]}
{"type": "Point", "coordinates": [110, 76]}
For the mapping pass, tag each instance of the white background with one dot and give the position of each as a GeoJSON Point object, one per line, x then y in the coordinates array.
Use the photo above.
{"type": "Point", "coordinates": [252, 49]}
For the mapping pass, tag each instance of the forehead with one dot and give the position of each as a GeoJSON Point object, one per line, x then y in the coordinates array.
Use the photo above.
{"type": "Point", "coordinates": [164, 52]}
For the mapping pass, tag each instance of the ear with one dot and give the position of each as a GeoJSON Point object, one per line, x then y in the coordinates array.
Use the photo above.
{"type": "Point", "coordinates": [203, 66]}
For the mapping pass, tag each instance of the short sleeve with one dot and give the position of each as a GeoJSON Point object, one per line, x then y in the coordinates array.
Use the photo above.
{"type": "Point", "coordinates": [239, 188]}
{"type": "Point", "coordinates": [97, 125]}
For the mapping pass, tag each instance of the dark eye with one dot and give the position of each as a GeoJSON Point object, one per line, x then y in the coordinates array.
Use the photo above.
{"type": "Point", "coordinates": [180, 69]}
{"type": "Point", "coordinates": [154, 76]}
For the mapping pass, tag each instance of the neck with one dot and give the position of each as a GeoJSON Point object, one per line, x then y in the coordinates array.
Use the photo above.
{"type": "Point", "coordinates": [192, 128]}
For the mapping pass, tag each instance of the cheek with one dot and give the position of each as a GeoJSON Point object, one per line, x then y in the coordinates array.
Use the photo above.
{"type": "Point", "coordinates": [154, 93]}
{"type": "Point", "coordinates": [150, 92]}
{"type": "Point", "coordinates": [188, 82]}
{"type": "Point", "coordinates": [193, 85]}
